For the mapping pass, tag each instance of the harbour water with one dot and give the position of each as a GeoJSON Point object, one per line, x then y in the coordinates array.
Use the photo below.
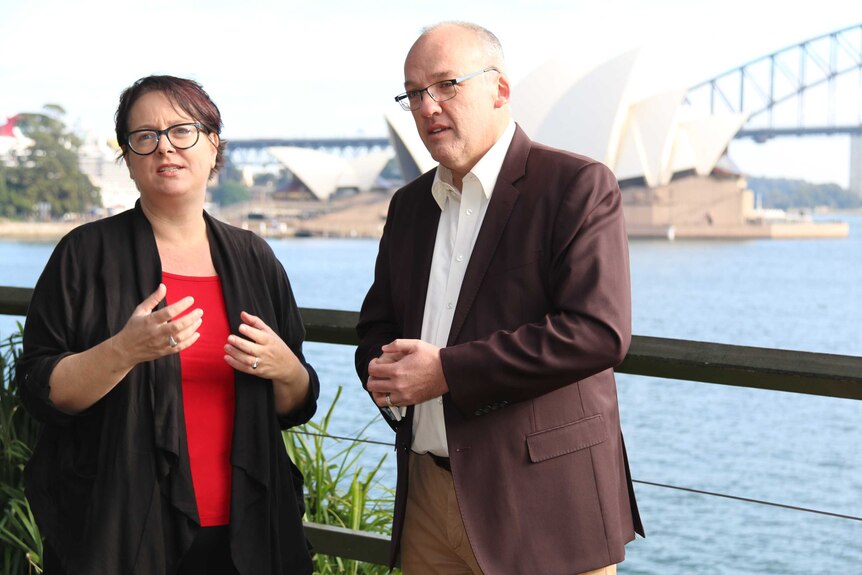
{"type": "Point", "coordinates": [797, 450]}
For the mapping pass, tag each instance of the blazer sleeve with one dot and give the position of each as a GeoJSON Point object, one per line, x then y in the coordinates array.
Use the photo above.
{"type": "Point", "coordinates": [378, 322]}
{"type": "Point", "coordinates": [587, 328]}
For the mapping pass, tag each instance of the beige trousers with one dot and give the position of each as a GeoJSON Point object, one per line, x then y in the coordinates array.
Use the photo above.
{"type": "Point", "coordinates": [434, 540]}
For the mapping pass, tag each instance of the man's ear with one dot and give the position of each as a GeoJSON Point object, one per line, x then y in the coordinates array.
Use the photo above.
{"type": "Point", "coordinates": [502, 91]}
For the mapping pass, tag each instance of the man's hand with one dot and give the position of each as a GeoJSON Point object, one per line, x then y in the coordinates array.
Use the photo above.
{"type": "Point", "coordinates": [409, 372]}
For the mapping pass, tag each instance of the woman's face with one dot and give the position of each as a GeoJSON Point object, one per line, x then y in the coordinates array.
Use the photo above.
{"type": "Point", "coordinates": [169, 172]}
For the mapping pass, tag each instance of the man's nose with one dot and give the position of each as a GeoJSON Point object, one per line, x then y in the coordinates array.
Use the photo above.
{"type": "Point", "coordinates": [428, 106]}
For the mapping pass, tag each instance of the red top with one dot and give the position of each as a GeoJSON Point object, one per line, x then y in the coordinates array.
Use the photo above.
{"type": "Point", "coordinates": [208, 397]}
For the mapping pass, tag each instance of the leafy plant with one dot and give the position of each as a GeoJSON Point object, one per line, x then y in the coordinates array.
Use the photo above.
{"type": "Point", "coordinates": [20, 542]}
{"type": "Point", "coordinates": [339, 491]}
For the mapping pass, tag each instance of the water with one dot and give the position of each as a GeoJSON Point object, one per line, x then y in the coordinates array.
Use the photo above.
{"type": "Point", "coordinates": [792, 449]}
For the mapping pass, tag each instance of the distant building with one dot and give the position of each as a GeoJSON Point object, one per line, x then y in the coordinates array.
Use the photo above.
{"type": "Point", "coordinates": [13, 143]}
{"type": "Point", "coordinates": [98, 159]}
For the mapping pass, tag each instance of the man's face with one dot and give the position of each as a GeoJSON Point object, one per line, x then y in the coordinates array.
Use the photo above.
{"type": "Point", "coordinates": [457, 132]}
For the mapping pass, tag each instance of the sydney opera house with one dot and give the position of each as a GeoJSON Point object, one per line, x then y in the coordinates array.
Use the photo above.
{"type": "Point", "coordinates": [671, 163]}
{"type": "Point", "coordinates": [675, 176]}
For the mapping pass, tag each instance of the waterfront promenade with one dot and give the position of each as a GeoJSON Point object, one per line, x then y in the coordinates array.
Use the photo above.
{"type": "Point", "coordinates": [365, 215]}
{"type": "Point", "coordinates": [361, 215]}
{"type": "Point", "coordinates": [34, 230]}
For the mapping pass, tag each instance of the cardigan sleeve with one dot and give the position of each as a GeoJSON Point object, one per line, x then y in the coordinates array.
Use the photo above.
{"type": "Point", "coordinates": [292, 331]}
{"type": "Point", "coordinates": [293, 336]}
{"type": "Point", "coordinates": [51, 330]}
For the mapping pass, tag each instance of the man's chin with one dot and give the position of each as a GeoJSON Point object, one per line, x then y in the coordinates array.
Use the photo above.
{"type": "Point", "coordinates": [439, 153]}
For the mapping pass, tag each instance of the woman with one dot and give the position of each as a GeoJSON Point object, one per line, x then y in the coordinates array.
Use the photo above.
{"type": "Point", "coordinates": [163, 353]}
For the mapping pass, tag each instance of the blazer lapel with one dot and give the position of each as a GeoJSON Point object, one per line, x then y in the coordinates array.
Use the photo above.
{"type": "Point", "coordinates": [417, 256]}
{"type": "Point", "coordinates": [502, 202]}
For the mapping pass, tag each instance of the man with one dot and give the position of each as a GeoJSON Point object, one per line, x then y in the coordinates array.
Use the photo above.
{"type": "Point", "coordinates": [500, 305]}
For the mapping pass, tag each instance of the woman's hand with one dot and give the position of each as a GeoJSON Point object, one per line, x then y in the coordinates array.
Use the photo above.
{"type": "Point", "coordinates": [263, 353]}
{"type": "Point", "coordinates": [149, 334]}
{"type": "Point", "coordinates": [81, 379]}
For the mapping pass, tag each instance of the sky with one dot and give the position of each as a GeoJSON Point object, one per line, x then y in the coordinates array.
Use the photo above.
{"type": "Point", "coordinates": [318, 68]}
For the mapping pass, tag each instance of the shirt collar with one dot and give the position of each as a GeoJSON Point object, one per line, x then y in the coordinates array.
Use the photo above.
{"type": "Point", "coordinates": [486, 169]}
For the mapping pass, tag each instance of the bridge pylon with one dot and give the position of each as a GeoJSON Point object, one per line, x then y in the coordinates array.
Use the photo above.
{"type": "Point", "coordinates": [856, 164]}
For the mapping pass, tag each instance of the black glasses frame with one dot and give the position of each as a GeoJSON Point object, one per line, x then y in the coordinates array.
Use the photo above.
{"type": "Point", "coordinates": [166, 132]}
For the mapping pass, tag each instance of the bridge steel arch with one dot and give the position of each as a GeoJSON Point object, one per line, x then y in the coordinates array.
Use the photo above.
{"type": "Point", "coordinates": [811, 88]}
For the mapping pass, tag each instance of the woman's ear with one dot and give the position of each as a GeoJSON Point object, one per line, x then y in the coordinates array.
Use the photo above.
{"type": "Point", "coordinates": [214, 140]}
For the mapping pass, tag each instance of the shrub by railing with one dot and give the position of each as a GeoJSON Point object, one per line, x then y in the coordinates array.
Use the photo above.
{"type": "Point", "coordinates": [339, 492]}
{"type": "Point", "coordinates": [19, 535]}
{"type": "Point", "coordinates": [341, 496]}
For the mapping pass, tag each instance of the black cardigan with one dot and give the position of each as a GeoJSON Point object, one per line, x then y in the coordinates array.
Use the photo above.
{"type": "Point", "coordinates": [111, 488]}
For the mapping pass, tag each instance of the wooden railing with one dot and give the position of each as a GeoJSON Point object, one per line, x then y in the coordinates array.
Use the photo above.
{"type": "Point", "coordinates": [754, 367]}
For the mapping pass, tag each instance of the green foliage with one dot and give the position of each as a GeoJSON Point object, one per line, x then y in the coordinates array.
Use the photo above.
{"type": "Point", "coordinates": [4, 191]}
{"type": "Point", "coordinates": [339, 491]}
{"type": "Point", "coordinates": [49, 175]}
{"type": "Point", "coordinates": [265, 179]}
{"type": "Point", "coordinates": [20, 542]}
{"type": "Point", "coordinates": [229, 192]}
{"type": "Point", "coordinates": [798, 194]}
{"type": "Point", "coordinates": [230, 172]}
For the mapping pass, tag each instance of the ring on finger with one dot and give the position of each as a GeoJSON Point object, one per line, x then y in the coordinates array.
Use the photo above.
{"type": "Point", "coordinates": [256, 363]}
{"type": "Point", "coordinates": [389, 400]}
{"type": "Point", "coordinates": [172, 342]}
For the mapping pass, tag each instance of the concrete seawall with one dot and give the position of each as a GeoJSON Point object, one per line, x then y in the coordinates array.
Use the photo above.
{"type": "Point", "coordinates": [366, 221]}
{"type": "Point", "coordinates": [36, 231]}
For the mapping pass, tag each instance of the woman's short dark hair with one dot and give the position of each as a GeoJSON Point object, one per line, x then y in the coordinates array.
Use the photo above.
{"type": "Point", "coordinates": [187, 95]}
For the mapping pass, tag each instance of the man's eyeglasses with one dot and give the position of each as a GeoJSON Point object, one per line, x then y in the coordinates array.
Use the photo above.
{"type": "Point", "coordinates": [181, 136]}
{"type": "Point", "coordinates": [439, 91]}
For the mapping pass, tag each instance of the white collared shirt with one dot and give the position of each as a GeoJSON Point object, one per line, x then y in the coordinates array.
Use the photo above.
{"type": "Point", "coordinates": [461, 219]}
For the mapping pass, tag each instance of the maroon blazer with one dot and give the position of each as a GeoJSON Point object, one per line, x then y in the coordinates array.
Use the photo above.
{"type": "Point", "coordinates": [543, 316]}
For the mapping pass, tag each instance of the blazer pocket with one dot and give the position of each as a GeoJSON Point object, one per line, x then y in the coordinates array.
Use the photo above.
{"type": "Point", "coordinates": [568, 438]}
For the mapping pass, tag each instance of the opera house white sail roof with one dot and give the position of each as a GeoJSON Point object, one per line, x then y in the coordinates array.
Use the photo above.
{"type": "Point", "coordinates": [324, 174]}
{"type": "Point", "coordinates": [603, 111]}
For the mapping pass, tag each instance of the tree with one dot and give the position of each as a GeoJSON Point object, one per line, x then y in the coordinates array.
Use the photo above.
{"type": "Point", "coordinates": [5, 200]}
{"type": "Point", "coordinates": [49, 172]}
{"type": "Point", "coordinates": [230, 193]}
{"type": "Point", "coordinates": [788, 194]}
{"type": "Point", "coordinates": [267, 179]}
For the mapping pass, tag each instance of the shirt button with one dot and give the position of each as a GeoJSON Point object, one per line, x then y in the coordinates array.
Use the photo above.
{"type": "Point", "coordinates": [460, 258]}
{"type": "Point", "coordinates": [450, 305]}
{"type": "Point", "coordinates": [469, 212]}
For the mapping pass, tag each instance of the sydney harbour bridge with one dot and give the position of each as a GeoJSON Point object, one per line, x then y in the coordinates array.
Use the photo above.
{"type": "Point", "coordinates": [813, 88]}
